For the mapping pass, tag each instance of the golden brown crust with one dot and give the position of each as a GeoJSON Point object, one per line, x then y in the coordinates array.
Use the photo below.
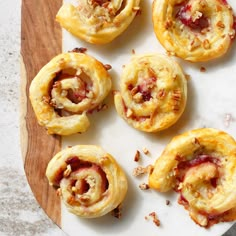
{"type": "Point", "coordinates": [65, 89]}
{"type": "Point", "coordinates": [91, 182]}
{"type": "Point", "coordinates": [194, 30]}
{"type": "Point", "coordinates": [201, 166]}
{"type": "Point", "coordinates": [153, 92]}
{"type": "Point", "coordinates": [98, 21]}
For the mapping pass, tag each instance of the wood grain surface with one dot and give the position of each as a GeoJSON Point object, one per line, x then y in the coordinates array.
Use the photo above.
{"type": "Point", "coordinates": [41, 40]}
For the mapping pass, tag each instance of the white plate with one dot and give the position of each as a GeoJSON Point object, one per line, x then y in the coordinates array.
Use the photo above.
{"type": "Point", "coordinates": [211, 101]}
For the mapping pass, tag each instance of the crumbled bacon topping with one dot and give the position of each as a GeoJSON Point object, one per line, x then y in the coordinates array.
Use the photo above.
{"type": "Point", "coordinates": [117, 212]}
{"type": "Point", "coordinates": [142, 170]}
{"type": "Point", "coordinates": [154, 217]}
{"type": "Point", "coordinates": [202, 69]}
{"type": "Point", "coordinates": [137, 156]}
{"type": "Point", "coordinates": [107, 66]}
{"type": "Point", "coordinates": [144, 186]}
{"type": "Point", "coordinates": [79, 50]}
{"type": "Point", "coordinates": [145, 151]}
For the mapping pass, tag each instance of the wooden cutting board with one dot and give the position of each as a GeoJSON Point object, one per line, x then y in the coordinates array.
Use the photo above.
{"type": "Point", "coordinates": [40, 41]}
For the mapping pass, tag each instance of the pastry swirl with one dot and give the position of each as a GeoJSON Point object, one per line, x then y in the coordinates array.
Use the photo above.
{"type": "Point", "coordinates": [65, 89]}
{"type": "Point", "coordinates": [98, 21]}
{"type": "Point", "coordinates": [194, 30]}
{"type": "Point", "coordinates": [90, 180]}
{"type": "Point", "coordinates": [153, 92]}
{"type": "Point", "coordinates": [201, 166]}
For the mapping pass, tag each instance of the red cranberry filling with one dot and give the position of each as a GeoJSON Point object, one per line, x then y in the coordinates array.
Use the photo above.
{"type": "Point", "coordinates": [77, 165]}
{"type": "Point", "coordinates": [184, 15]}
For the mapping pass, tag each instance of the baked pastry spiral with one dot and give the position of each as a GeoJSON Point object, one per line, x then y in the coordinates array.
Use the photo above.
{"type": "Point", "coordinates": [65, 89]}
{"type": "Point", "coordinates": [194, 30]}
{"type": "Point", "coordinates": [98, 21]}
{"type": "Point", "coordinates": [153, 92]}
{"type": "Point", "coordinates": [201, 166]}
{"type": "Point", "coordinates": [90, 180]}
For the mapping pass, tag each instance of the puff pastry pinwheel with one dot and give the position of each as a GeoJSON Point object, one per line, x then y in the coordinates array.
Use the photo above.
{"type": "Point", "coordinates": [153, 92]}
{"type": "Point", "coordinates": [201, 166]}
{"type": "Point", "coordinates": [98, 21]}
{"type": "Point", "coordinates": [90, 181]}
{"type": "Point", "coordinates": [65, 89]}
{"type": "Point", "coordinates": [194, 30]}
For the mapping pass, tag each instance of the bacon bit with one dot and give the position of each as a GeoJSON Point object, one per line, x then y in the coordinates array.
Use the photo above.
{"type": "Point", "coordinates": [68, 171]}
{"type": "Point", "coordinates": [202, 69]}
{"type": "Point", "coordinates": [137, 156]}
{"type": "Point", "coordinates": [142, 170]}
{"type": "Point", "coordinates": [58, 192]}
{"type": "Point", "coordinates": [117, 212]}
{"type": "Point", "coordinates": [206, 44]}
{"type": "Point", "coordinates": [178, 157]}
{"type": "Point", "coordinates": [195, 43]}
{"type": "Point", "coordinates": [79, 50]}
{"type": "Point", "coordinates": [152, 73]}
{"type": "Point", "coordinates": [196, 141]}
{"type": "Point", "coordinates": [84, 198]}
{"type": "Point", "coordinates": [220, 24]}
{"type": "Point", "coordinates": [168, 24]}
{"type": "Point", "coordinates": [46, 99]}
{"type": "Point", "coordinates": [161, 93]}
{"type": "Point", "coordinates": [145, 151]}
{"type": "Point", "coordinates": [154, 217]}
{"type": "Point", "coordinates": [133, 51]}
{"type": "Point", "coordinates": [57, 84]}
{"type": "Point", "coordinates": [167, 202]}
{"type": "Point", "coordinates": [107, 66]}
{"type": "Point", "coordinates": [144, 186]}
{"type": "Point", "coordinates": [134, 90]}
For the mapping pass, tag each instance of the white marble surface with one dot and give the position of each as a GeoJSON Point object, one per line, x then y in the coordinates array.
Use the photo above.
{"type": "Point", "coordinates": [19, 212]}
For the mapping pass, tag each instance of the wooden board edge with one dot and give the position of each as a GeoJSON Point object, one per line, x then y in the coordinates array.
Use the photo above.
{"type": "Point", "coordinates": [37, 147]}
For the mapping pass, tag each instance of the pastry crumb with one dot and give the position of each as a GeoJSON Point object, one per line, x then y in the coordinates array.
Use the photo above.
{"type": "Point", "coordinates": [202, 69]}
{"type": "Point", "coordinates": [144, 186]}
{"type": "Point", "coordinates": [142, 170]}
{"type": "Point", "coordinates": [154, 218]}
{"type": "Point", "coordinates": [137, 156]}
{"type": "Point", "coordinates": [79, 50]}
{"type": "Point", "coordinates": [167, 202]}
{"type": "Point", "coordinates": [145, 151]}
{"type": "Point", "coordinates": [117, 212]}
{"type": "Point", "coordinates": [107, 66]}
{"type": "Point", "coordinates": [133, 51]}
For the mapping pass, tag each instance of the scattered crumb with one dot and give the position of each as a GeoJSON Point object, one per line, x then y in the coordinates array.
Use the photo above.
{"type": "Point", "coordinates": [202, 69]}
{"type": "Point", "coordinates": [144, 186]}
{"type": "Point", "coordinates": [167, 202]}
{"type": "Point", "coordinates": [69, 146]}
{"type": "Point", "coordinates": [123, 66]}
{"type": "Point", "coordinates": [107, 66]}
{"type": "Point", "coordinates": [145, 151]}
{"type": "Point", "coordinates": [117, 212]}
{"type": "Point", "coordinates": [133, 51]}
{"type": "Point", "coordinates": [142, 170]}
{"type": "Point", "coordinates": [154, 217]}
{"type": "Point", "coordinates": [137, 156]}
{"type": "Point", "coordinates": [79, 50]}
